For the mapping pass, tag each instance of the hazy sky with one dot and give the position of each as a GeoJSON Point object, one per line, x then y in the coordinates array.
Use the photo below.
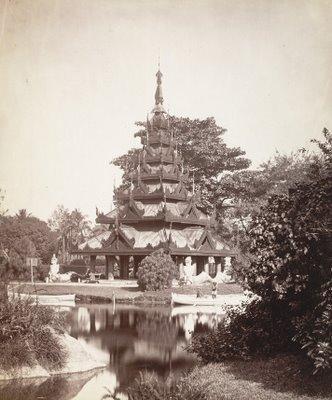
{"type": "Point", "coordinates": [76, 74]}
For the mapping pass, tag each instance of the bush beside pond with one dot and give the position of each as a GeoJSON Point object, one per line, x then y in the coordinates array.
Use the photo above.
{"type": "Point", "coordinates": [157, 271]}
{"type": "Point", "coordinates": [276, 378]}
{"type": "Point", "coordinates": [290, 270]}
{"type": "Point", "coordinates": [28, 335]}
{"type": "Point", "coordinates": [151, 387]}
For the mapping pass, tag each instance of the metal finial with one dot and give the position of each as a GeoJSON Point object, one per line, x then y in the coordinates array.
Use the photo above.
{"type": "Point", "coordinates": [159, 93]}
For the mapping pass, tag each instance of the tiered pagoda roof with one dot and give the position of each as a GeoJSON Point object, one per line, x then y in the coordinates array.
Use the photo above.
{"type": "Point", "coordinates": [157, 211]}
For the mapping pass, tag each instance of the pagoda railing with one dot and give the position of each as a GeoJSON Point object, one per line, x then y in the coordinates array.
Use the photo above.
{"type": "Point", "coordinates": [103, 219]}
{"type": "Point", "coordinates": [153, 196]}
{"type": "Point", "coordinates": [155, 139]}
{"type": "Point", "coordinates": [144, 176]}
{"type": "Point", "coordinates": [161, 158]}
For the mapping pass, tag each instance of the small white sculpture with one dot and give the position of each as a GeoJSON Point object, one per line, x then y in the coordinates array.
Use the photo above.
{"type": "Point", "coordinates": [227, 273]}
{"type": "Point", "coordinates": [54, 274]}
{"type": "Point", "coordinates": [54, 269]}
{"type": "Point", "coordinates": [202, 278]}
{"type": "Point", "coordinates": [188, 269]}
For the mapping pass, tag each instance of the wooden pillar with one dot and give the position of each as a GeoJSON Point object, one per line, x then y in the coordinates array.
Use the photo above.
{"type": "Point", "coordinates": [93, 262]}
{"type": "Point", "coordinates": [206, 265]}
{"type": "Point", "coordinates": [124, 267]}
{"type": "Point", "coordinates": [219, 264]}
{"type": "Point", "coordinates": [107, 266]}
{"type": "Point", "coordinates": [200, 264]}
{"type": "Point", "coordinates": [194, 265]}
{"type": "Point", "coordinates": [137, 261]}
{"type": "Point", "coordinates": [212, 266]}
{"type": "Point", "coordinates": [180, 264]}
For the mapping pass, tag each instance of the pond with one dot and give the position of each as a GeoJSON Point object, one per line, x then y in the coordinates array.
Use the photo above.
{"type": "Point", "coordinates": [129, 339]}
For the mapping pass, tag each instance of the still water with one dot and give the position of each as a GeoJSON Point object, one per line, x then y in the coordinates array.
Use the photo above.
{"type": "Point", "coordinates": [128, 339]}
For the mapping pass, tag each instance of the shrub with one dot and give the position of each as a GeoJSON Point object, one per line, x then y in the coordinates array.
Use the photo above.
{"type": "Point", "coordinates": [151, 387]}
{"type": "Point", "coordinates": [290, 270]}
{"type": "Point", "coordinates": [41, 272]}
{"type": "Point", "coordinates": [255, 329]}
{"type": "Point", "coordinates": [27, 335]}
{"type": "Point", "coordinates": [314, 331]}
{"type": "Point", "coordinates": [157, 271]}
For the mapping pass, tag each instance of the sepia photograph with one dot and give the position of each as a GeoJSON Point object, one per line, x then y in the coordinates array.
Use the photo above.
{"type": "Point", "coordinates": [165, 200]}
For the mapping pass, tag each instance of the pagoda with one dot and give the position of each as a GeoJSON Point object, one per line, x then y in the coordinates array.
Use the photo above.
{"type": "Point", "coordinates": [158, 211]}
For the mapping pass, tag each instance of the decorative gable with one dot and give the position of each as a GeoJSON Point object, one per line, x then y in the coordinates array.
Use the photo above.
{"type": "Point", "coordinates": [132, 210]}
{"type": "Point", "coordinates": [191, 211]}
{"type": "Point", "coordinates": [118, 241]}
{"type": "Point", "coordinates": [205, 242]}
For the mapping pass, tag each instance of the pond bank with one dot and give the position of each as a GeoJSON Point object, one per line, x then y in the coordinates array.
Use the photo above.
{"type": "Point", "coordinates": [79, 359]}
{"type": "Point", "coordinates": [104, 293]}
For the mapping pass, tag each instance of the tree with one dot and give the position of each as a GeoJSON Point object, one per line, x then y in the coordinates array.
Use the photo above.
{"type": "Point", "coordinates": [251, 189]}
{"type": "Point", "coordinates": [205, 154]}
{"type": "Point", "coordinates": [24, 236]}
{"type": "Point", "coordinates": [2, 198]}
{"type": "Point", "coordinates": [157, 271]}
{"type": "Point", "coordinates": [22, 214]}
{"type": "Point", "coordinates": [72, 228]}
{"type": "Point", "coordinates": [290, 269]}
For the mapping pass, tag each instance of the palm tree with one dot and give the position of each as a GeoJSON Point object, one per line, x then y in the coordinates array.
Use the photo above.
{"type": "Point", "coordinates": [22, 214]}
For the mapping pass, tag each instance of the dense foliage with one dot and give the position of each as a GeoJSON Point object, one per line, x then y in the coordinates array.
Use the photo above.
{"type": "Point", "coordinates": [71, 228]}
{"type": "Point", "coordinates": [251, 189]}
{"type": "Point", "coordinates": [21, 236]}
{"type": "Point", "coordinates": [157, 271]}
{"type": "Point", "coordinates": [290, 269]}
{"type": "Point", "coordinates": [258, 329]}
{"type": "Point", "coordinates": [27, 335]}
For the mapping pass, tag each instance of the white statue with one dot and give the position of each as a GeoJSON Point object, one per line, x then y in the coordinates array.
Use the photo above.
{"type": "Point", "coordinates": [227, 274]}
{"type": "Point", "coordinates": [54, 274]}
{"type": "Point", "coordinates": [54, 269]}
{"type": "Point", "coordinates": [188, 269]}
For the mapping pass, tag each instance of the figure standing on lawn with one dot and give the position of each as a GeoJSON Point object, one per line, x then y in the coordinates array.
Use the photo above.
{"type": "Point", "coordinates": [214, 290]}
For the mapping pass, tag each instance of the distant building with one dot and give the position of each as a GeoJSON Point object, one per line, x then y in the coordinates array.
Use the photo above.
{"type": "Point", "coordinates": [158, 211]}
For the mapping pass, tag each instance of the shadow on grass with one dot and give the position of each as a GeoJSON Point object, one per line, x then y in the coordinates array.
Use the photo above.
{"type": "Point", "coordinates": [283, 374]}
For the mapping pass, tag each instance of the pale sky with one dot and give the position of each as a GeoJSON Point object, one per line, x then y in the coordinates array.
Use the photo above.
{"type": "Point", "coordinates": [76, 74]}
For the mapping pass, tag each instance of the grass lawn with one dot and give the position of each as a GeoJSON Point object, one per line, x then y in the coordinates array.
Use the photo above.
{"type": "Point", "coordinates": [124, 293]}
{"type": "Point", "coordinates": [273, 379]}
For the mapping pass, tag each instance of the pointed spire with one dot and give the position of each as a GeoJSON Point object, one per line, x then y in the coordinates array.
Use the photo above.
{"type": "Point", "coordinates": [159, 92]}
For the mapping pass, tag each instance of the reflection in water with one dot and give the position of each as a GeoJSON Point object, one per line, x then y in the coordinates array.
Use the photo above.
{"type": "Point", "coordinates": [130, 339]}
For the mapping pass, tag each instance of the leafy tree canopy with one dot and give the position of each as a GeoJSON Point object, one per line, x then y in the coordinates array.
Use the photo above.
{"type": "Point", "coordinates": [71, 227]}
{"type": "Point", "coordinates": [251, 189]}
{"type": "Point", "coordinates": [24, 235]}
{"type": "Point", "coordinates": [290, 271]}
{"type": "Point", "coordinates": [291, 256]}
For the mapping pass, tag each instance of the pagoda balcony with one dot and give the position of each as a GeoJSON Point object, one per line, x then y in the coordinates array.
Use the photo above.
{"type": "Point", "coordinates": [146, 251]}
{"type": "Point", "coordinates": [159, 139]}
{"type": "Point", "coordinates": [162, 158]}
{"type": "Point", "coordinates": [159, 195]}
{"type": "Point", "coordinates": [175, 177]}
{"type": "Point", "coordinates": [104, 219]}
